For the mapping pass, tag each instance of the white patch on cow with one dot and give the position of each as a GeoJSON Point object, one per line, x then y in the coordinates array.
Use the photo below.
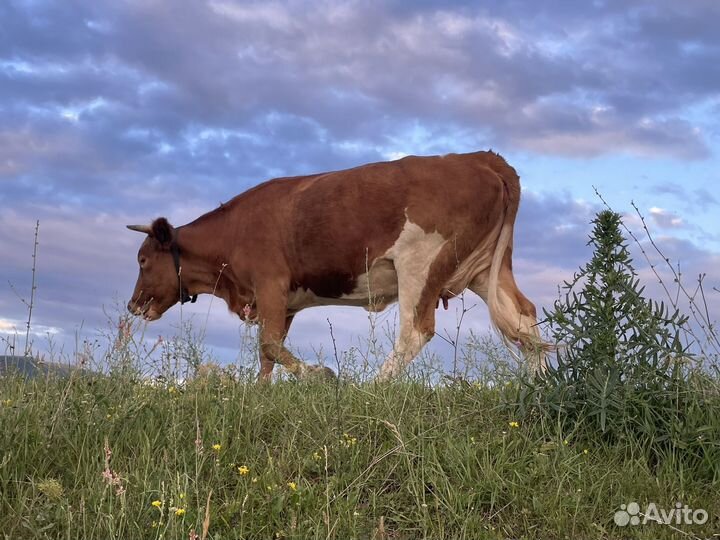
{"type": "Point", "coordinates": [301, 299]}
{"type": "Point", "coordinates": [412, 254]}
{"type": "Point", "coordinates": [376, 288]}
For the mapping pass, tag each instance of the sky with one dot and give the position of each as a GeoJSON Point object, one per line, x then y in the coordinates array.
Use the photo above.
{"type": "Point", "coordinates": [119, 112]}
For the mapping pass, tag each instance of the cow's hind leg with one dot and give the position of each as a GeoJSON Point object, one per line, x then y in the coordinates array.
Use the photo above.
{"type": "Point", "coordinates": [515, 316]}
{"type": "Point", "coordinates": [420, 283]}
{"type": "Point", "coordinates": [417, 326]}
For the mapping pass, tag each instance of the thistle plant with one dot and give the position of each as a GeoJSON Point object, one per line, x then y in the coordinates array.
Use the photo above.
{"type": "Point", "coordinates": [622, 368]}
{"type": "Point", "coordinates": [608, 327]}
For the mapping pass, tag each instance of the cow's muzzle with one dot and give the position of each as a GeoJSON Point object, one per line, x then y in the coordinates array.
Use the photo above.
{"type": "Point", "coordinates": [142, 310]}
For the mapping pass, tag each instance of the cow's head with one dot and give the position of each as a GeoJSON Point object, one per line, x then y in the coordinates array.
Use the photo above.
{"type": "Point", "coordinates": [157, 286]}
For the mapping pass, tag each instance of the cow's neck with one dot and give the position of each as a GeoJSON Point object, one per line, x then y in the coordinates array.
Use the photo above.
{"type": "Point", "coordinates": [205, 262]}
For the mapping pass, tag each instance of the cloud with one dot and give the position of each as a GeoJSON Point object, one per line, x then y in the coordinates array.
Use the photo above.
{"type": "Point", "coordinates": [100, 96]}
{"type": "Point", "coordinates": [666, 219]}
{"type": "Point", "coordinates": [18, 328]}
{"type": "Point", "coordinates": [689, 197]}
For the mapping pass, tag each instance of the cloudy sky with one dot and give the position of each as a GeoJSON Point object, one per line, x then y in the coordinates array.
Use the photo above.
{"type": "Point", "coordinates": [118, 112]}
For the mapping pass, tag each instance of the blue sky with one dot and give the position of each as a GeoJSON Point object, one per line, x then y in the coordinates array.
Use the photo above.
{"type": "Point", "coordinates": [118, 112]}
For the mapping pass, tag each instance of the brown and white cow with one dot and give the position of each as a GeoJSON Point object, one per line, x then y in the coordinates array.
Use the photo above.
{"type": "Point", "coordinates": [414, 231]}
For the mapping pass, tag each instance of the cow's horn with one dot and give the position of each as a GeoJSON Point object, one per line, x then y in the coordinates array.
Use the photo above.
{"type": "Point", "coordinates": [140, 228]}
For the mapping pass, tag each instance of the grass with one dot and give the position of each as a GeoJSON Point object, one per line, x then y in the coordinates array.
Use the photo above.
{"type": "Point", "coordinates": [222, 457]}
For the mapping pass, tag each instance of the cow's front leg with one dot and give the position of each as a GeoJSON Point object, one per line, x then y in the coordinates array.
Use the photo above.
{"type": "Point", "coordinates": [272, 316]}
{"type": "Point", "coordinates": [266, 363]}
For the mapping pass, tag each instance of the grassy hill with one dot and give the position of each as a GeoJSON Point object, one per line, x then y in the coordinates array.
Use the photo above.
{"type": "Point", "coordinates": [99, 457]}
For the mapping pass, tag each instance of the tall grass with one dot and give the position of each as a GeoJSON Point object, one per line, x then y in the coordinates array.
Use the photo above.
{"type": "Point", "coordinates": [293, 460]}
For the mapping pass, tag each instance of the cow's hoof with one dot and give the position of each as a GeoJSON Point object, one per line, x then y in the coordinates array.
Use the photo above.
{"type": "Point", "coordinates": [318, 373]}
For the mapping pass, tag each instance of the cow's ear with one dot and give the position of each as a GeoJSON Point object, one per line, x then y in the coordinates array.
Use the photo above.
{"type": "Point", "coordinates": [163, 232]}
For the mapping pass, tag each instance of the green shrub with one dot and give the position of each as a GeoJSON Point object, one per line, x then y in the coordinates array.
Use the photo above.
{"type": "Point", "coordinates": [622, 369]}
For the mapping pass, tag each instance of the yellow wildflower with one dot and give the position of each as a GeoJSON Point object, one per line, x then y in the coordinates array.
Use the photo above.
{"type": "Point", "coordinates": [586, 451]}
{"type": "Point", "coordinates": [317, 456]}
{"type": "Point", "coordinates": [217, 447]}
{"type": "Point", "coordinates": [566, 442]}
{"type": "Point", "coordinates": [292, 486]}
{"type": "Point", "coordinates": [180, 512]}
{"type": "Point", "coordinates": [348, 440]}
{"type": "Point", "coordinates": [514, 424]}
{"type": "Point", "coordinates": [243, 470]}
{"type": "Point", "coordinates": [156, 504]}
{"type": "Point", "coordinates": [51, 488]}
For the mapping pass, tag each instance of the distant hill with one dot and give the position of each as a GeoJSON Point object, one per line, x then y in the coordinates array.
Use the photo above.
{"type": "Point", "coordinates": [32, 367]}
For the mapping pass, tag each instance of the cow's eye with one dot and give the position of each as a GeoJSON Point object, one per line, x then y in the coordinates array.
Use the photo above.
{"type": "Point", "coordinates": [142, 261]}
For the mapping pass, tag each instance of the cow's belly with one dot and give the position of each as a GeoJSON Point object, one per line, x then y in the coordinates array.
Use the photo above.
{"type": "Point", "coordinates": [373, 290]}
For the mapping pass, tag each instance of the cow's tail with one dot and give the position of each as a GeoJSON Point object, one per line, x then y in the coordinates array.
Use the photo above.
{"type": "Point", "coordinates": [517, 328]}
{"type": "Point", "coordinates": [503, 319]}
